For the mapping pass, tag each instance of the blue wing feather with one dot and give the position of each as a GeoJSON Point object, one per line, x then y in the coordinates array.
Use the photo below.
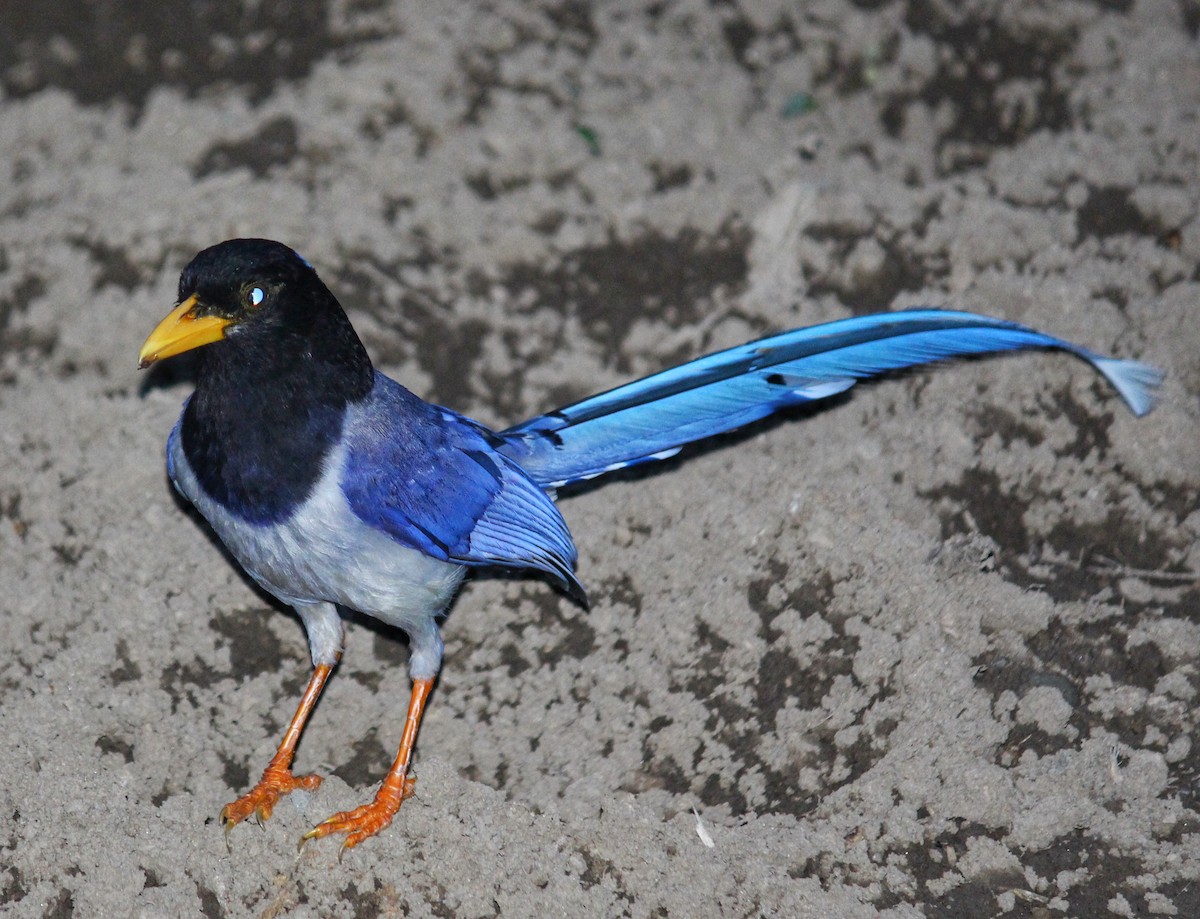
{"type": "Point", "coordinates": [433, 480]}
{"type": "Point", "coordinates": [651, 418]}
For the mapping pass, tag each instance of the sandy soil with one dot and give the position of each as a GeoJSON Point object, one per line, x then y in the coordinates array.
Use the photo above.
{"type": "Point", "coordinates": [932, 652]}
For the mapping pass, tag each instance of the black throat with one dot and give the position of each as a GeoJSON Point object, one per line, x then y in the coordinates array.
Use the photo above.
{"type": "Point", "coordinates": [270, 404]}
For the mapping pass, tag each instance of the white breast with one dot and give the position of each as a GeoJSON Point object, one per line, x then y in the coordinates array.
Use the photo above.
{"type": "Point", "coordinates": [323, 552]}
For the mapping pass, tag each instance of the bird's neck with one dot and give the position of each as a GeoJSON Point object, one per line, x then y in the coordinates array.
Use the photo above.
{"type": "Point", "coordinates": [262, 422]}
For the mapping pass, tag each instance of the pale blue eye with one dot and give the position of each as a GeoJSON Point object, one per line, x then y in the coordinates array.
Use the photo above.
{"type": "Point", "coordinates": [256, 296]}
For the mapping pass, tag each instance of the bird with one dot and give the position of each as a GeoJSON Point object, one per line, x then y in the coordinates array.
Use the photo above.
{"type": "Point", "coordinates": [333, 486]}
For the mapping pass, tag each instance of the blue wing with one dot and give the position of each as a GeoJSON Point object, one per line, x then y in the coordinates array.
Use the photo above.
{"type": "Point", "coordinates": [652, 418]}
{"type": "Point", "coordinates": [433, 480]}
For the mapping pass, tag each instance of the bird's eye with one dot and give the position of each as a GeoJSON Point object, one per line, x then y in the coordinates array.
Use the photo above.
{"type": "Point", "coordinates": [255, 296]}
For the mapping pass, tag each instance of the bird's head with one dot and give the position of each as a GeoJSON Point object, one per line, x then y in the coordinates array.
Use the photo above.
{"type": "Point", "coordinates": [238, 287]}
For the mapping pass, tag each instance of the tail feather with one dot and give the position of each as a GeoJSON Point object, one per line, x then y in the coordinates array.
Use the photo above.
{"type": "Point", "coordinates": [1136, 382]}
{"type": "Point", "coordinates": [652, 418]}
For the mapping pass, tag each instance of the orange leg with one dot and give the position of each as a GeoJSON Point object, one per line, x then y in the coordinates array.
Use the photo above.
{"type": "Point", "coordinates": [364, 822]}
{"type": "Point", "coordinates": [277, 779]}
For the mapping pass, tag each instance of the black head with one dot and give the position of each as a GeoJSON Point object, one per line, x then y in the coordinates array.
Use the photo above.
{"type": "Point", "coordinates": [256, 302]}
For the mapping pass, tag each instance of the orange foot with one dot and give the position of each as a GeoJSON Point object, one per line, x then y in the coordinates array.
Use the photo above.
{"type": "Point", "coordinates": [262, 798]}
{"type": "Point", "coordinates": [365, 821]}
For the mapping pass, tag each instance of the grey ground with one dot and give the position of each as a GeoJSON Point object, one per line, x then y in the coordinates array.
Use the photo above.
{"type": "Point", "coordinates": [932, 652]}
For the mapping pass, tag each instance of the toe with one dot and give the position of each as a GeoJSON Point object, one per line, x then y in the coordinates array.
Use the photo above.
{"type": "Point", "coordinates": [260, 800]}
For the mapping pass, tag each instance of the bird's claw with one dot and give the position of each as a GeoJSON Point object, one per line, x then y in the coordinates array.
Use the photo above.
{"type": "Point", "coordinates": [362, 822]}
{"type": "Point", "coordinates": [260, 800]}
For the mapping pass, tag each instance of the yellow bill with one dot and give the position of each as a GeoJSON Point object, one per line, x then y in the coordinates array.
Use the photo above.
{"type": "Point", "coordinates": [182, 330]}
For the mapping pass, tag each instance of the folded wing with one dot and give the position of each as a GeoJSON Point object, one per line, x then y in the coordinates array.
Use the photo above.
{"type": "Point", "coordinates": [434, 481]}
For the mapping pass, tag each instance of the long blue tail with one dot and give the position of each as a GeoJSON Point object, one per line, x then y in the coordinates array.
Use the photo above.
{"type": "Point", "coordinates": [652, 418]}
